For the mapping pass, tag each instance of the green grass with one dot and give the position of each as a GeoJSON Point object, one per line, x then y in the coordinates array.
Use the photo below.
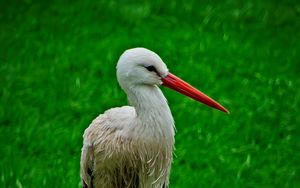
{"type": "Point", "coordinates": [57, 73]}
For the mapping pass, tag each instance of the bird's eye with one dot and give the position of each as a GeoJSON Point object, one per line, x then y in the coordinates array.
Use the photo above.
{"type": "Point", "coordinates": [151, 68]}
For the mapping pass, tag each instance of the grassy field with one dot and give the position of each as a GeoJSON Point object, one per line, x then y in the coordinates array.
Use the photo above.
{"type": "Point", "coordinates": [57, 73]}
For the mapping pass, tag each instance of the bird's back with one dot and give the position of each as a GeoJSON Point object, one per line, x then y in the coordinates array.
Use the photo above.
{"type": "Point", "coordinates": [113, 154]}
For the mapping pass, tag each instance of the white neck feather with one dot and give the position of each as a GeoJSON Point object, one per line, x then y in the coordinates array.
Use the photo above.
{"type": "Point", "coordinates": [152, 111]}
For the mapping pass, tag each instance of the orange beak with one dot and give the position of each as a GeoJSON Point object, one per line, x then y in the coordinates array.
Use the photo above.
{"type": "Point", "coordinates": [173, 82]}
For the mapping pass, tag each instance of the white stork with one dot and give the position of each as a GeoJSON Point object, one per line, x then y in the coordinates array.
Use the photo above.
{"type": "Point", "coordinates": [131, 146]}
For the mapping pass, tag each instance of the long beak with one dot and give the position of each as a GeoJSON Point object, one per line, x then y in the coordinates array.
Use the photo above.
{"type": "Point", "coordinates": [173, 82]}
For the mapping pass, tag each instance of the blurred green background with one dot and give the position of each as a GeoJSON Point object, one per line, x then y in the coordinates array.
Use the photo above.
{"type": "Point", "coordinates": [57, 73]}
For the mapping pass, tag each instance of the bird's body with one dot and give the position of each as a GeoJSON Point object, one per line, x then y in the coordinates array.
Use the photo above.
{"type": "Point", "coordinates": [124, 150]}
{"type": "Point", "coordinates": [132, 146]}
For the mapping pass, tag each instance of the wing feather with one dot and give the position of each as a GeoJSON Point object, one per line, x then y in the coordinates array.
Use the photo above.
{"type": "Point", "coordinates": [86, 165]}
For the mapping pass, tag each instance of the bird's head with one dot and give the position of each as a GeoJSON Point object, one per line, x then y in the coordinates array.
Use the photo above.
{"type": "Point", "coordinates": [142, 67]}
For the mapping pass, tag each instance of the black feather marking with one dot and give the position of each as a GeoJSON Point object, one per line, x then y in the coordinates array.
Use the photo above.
{"type": "Point", "coordinates": [90, 173]}
{"type": "Point", "coordinates": [84, 185]}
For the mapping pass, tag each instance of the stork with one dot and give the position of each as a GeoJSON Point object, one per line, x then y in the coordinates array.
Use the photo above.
{"type": "Point", "coordinates": [132, 146]}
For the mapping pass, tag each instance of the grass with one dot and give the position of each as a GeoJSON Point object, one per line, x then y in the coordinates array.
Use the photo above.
{"type": "Point", "coordinates": [57, 73]}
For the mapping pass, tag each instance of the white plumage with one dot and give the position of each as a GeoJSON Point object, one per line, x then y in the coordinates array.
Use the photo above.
{"type": "Point", "coordinates": [132, 146]}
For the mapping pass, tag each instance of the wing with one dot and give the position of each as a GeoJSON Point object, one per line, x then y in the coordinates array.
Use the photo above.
{"type": "Point", "coordinates": [86, 165]}
{"type": "Point", "coordinates": [97, 136]}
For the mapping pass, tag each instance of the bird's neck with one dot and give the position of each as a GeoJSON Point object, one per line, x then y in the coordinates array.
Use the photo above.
{"type": "Point", "coordinates": [152, 110]}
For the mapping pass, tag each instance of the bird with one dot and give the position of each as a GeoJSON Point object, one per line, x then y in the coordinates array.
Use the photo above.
{"type": "Point", "coordinates": [132, 146]}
